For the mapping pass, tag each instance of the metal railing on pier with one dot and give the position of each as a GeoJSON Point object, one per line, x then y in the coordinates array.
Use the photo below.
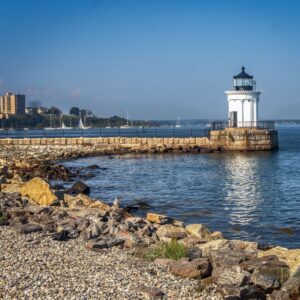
{"type": "Point", "coordinates": [254, 125]}
{"type": "Point", "coordinates": [105, 132]}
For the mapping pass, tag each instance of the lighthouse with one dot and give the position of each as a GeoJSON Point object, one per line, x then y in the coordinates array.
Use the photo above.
{"type": "Point", "coordinates": [243, 101]}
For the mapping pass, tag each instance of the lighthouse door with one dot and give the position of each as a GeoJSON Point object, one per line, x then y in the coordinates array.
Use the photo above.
{"type": "Point", "coordinates": [233, 119]}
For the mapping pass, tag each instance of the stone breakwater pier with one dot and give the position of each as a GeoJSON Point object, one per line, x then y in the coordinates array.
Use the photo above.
{"type": "Point", "coordinates": [229, 139]}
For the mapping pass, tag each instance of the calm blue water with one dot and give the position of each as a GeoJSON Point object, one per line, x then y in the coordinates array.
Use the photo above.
{"type": "Point", "coordinates": [248, 196]}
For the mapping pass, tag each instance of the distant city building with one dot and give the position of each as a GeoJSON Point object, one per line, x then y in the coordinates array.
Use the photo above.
{"type": "Point", "coordinates": [243, 101]}
{"type": "Point", "coordinates": [29, 110]}
{"type": "Point", "coordinates": [42, 110]}
{"type": "Point", "coordinates": [12, 105]}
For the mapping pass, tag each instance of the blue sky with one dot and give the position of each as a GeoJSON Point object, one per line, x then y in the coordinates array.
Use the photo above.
{"type": "Point", "coordinates": [157, 59]}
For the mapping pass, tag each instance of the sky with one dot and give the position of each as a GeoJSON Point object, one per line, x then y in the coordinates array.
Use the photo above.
{"type": "Point", "coordinates": [155, 59]}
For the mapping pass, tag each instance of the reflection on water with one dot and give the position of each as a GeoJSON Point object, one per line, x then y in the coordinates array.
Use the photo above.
{"type": "Point", "coordinates": [245, 195]}
{"type": "Point", "coordinates": [242, 189]}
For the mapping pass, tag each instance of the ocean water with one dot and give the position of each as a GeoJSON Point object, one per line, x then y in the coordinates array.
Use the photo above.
{"type": "Point", "coordinates": [250, 196]}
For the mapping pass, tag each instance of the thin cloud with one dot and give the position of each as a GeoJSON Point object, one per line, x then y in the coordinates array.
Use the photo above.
{"type": "Point", "coordinates": [38, 93]}
{"type": "Point", "coordinates": [76, 92]}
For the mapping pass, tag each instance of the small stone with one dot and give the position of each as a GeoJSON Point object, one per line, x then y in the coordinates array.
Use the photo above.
{"type": "Point", "coordinates": [239, 245]}
{"type": "Point", "coordinates": [95, 230]}
{"type": "Point", "coordinates": [158, 219]}
{"type": "Point", "coordinates": [216, 245]}
{"type": "Point", "coordinates": [80, 187]}
{"type": "Point", "coordinates": [178, 223]}
{"type": "Point", "coordinates": [93, 167]}
{"type": "Point", "coordinates": [152, 293]}
{"type": "Point", "coordinates": [143, 204]}
{"type": "Point", "coordinates": [96, 246]}
{"type": "Point", "coordinates": [198, 230]}
{"type": "Point", "coordinates": [279, 295]}
{"type": "Point", "coordinates": [15, 212]}
{"type": "Point", "coordinates": [30, 228]}
{"type": "Point", "coordinates": [252, 292]}
{"type": "Point", "coordinates": [116, 242]}
{"type": "Point", "coordinates": [191, 241]}
{"type": "Point", "coordinates": [3, 179]}
{"type": "Point", "coordinates": [61, 236]}
{"type": "Point", "coordinates": [197, 268]}
{"type": "Point", "coordinates": [164, 262]}
{"type": "Point", "coordinates": [171, 231]}
{"type": "Point", "coordinates": [193, 253]}
{"type": "Point", "coordinates": [216, 235]}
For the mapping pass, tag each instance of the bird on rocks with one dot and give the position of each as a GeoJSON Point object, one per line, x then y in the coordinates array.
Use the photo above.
{"type": "Point", "coordinates": [116, 203]}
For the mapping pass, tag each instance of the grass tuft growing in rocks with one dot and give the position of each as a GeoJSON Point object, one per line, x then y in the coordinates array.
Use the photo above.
{"type": "Point", "coordinates": [2, 217]}
{"type": "Point", "coordinates": [171, 250]}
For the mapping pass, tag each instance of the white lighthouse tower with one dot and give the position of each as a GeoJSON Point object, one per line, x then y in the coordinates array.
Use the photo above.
{"type": "Point", "coordinates": [243, 101]}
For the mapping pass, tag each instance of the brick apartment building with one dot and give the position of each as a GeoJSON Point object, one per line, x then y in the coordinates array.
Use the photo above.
{"type": "Point", "coordinates": [11, 105]}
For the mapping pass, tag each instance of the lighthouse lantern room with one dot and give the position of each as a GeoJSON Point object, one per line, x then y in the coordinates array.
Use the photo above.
{"type": "Point", "coordinates": [243, 101]}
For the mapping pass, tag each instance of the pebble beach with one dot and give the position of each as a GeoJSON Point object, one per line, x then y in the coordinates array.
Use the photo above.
{"type": "Point", "coordinates": [36, 267]}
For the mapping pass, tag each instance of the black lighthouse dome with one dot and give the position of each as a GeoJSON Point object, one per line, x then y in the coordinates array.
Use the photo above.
{"type": "Point", "coordinates": [243, 81]}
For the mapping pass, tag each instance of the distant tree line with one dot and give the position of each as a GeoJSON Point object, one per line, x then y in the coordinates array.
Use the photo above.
{"type": "Point", "coordinates": [39, 121]}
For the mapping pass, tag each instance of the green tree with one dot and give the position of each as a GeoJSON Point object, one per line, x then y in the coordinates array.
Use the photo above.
{"type": "Point", "coordinates": [54, 111]}
{"type": "Point", "coordinates": [74, 111]}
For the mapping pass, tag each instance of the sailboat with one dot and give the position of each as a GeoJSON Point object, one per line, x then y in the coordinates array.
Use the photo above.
{"type": "Point", "coordinates": [178, 123]}
{"type": "Point", "coordinates": [127, 122]}
{"type": "Point", "coordinates": [63, 125]}
{"type": "Point", "coordinates": [81, 125]}
{"type": "Point", "coordinates": [108, 124]}
{"type": "Point", "coordinates": [52, 124]}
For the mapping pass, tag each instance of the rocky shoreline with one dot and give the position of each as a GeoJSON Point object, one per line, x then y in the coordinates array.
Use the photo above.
{"type": "Point", "coordinates": [58, 243]}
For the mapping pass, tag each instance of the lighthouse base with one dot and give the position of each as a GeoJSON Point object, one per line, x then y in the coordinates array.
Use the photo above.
{"type": "Point", "coordinates": [244, 139]}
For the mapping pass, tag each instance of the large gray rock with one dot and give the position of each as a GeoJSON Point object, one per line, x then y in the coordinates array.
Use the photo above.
{"type": "Point", "coordinates": [231, 276]}
{"type": "Point", "coordinates": [279, 271]}
{"type": "Point", "coordinates": [292, 285]}
{"type": "Point", "coordinates": [226, 258]}
{"type": "Point", "coordinates": [246, 292]}
{"type": "Point", "coordinates": [254, 262]}
{"type": "Point", "coordinates": [267, 282]}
